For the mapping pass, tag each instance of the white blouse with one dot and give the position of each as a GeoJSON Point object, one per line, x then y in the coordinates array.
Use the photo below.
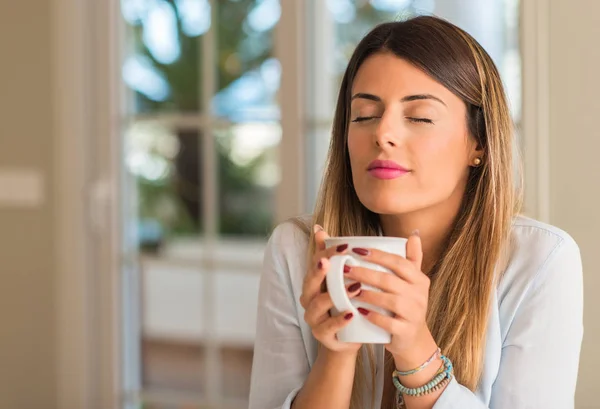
{"type": "Point", "coordinates": [533, 339]}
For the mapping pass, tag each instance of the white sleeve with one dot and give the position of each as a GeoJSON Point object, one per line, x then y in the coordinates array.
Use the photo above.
{"type": "Point", "coordinates": [540, 355]}
{"type": "Point", "coordinates": [280, 363]}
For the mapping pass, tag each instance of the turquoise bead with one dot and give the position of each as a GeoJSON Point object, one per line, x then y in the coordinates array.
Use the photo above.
{"type": "Point", "coordinates": [432, 384]}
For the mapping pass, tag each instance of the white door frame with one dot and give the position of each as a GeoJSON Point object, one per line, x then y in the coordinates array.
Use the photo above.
{"type": "Point", "coordinates": [86, 169]}
{"type": "Point", "coordinates": [87, 179]}
{"type": "Point", "coordinates": [535, 55]}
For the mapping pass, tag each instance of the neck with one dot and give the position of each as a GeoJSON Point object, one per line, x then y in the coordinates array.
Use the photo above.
{"type": "Point", "coordinates": [434, 224]}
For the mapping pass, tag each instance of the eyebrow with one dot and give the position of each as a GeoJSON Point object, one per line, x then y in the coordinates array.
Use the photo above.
{"type": "Point", "coordinates": [407, 98]}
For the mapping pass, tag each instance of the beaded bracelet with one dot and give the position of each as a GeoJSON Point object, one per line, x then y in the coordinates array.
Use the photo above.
{"type": "Point", "coordinates": [439, 380]}
{"type": "Point", "coordinates": [441, 369]}
{"type": "Point", "coordinates": [420, 368]}
{"type": "Point", "coordinates": [400, 398]}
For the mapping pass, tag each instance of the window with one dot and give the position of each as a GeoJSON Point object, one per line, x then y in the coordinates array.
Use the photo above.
{"type": "Point", "coordinates": [202, 134]}
{"type": "Point", "coordinates": [201, 130]}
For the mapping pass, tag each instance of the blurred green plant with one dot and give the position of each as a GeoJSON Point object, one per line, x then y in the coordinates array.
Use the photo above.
{"type": "Point", "coordinates": [244, 206]}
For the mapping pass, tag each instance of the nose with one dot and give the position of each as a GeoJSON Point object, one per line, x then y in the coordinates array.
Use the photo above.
{"type": "Point", "coordinates": [383, 140]}
{"type": "Point", "coordinates": [387, 132]}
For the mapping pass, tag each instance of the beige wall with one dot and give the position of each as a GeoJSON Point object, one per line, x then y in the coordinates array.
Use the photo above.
{"type": "Point", "coordinates": [575, 161]}
{"type": "Point", "coordinates": [26, 243]}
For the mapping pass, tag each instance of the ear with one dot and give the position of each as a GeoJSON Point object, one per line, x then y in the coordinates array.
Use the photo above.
{"type": "Point", "coordinates": [476, 153]}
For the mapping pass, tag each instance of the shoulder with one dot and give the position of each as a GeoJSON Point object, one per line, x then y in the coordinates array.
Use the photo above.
{"type": "Point", "coordinates": [287, 247]}
{"type": "Point", "coordinates": [540, 257]}
{"type": "Point", "coordinates": [535, 243]}
{"type": "Point", "coordinates": [528, 228]}
{"type": "Point", "coordinates": [291, 234]}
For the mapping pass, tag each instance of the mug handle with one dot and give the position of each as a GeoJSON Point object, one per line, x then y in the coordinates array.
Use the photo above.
{"type": "Point", "coordinates": [336, 285]}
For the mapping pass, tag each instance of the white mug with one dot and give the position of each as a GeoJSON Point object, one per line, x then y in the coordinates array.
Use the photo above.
{"type": "Point", "coordinates": [359, 330]}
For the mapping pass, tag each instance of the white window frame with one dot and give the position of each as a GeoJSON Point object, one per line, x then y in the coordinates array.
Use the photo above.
{"type": "Point", "coordinates": [88, 176]}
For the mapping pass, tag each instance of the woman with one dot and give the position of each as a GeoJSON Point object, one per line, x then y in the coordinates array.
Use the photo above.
{"type": "Point", "coordinates": [422, 147]}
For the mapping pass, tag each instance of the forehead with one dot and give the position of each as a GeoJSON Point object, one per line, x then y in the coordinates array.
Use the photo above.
{"type": "Point", "coordinates": [384, 74]}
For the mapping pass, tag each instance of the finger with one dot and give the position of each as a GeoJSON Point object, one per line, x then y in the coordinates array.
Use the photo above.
{"type": "Point", "coordinates": [316, 275]}
{"type": "Point", "coordinates": [400, 266]}
{"type": "Point", "coordinates": [335, 250]}
{"type": "Point", "coordinates": [332, 325]}
{"type": "Point", "coordinates": [318, 309]}
{"type": "Point", "coordinates": [389, 283]}
{"type": "Point", "coordinates": [398, 305]}
{"type": "Point", "coordinates": [312, 282]}
{"type": "Point", "coordinates": [320, 236]}
{"type": "Point", "coordinates": [389, 324]}
{"type": "Point", "coordinates": [327, 253]}
{"type": "Point", "coordinates": [414, 249]}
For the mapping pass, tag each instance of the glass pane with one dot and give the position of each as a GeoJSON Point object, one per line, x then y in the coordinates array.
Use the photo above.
{"type": "Point", "coordinates": [248, 174]}
{"type": "Point", "coordinates": [248, 74]}
{"type": "Point", "coordinates": [237, 364]}
{"type": "Point", "coordinates": [355, 18]}
{"type": "Point", "coordinates": [494, 23]}
{"type": "Point", "coordinates": [172, 366]}
{"type": "Point", "coordinates": [235, 331]}
{"type": "Point", "coordinates": [162, 66]}
{"type": "Point", "coordinates": [164, 162]}
{"type": "Point", "coordinates": [172, 328]}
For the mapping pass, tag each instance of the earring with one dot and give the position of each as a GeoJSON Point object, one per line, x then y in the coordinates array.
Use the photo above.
{"type": "Point", "coordinates": [477, 161]}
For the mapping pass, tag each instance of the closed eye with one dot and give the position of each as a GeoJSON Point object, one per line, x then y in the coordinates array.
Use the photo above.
{"type": "Point", "coordinates": [415, 120]}
{"type": "Point", "coordinates": [364, 118]}
{"type": "Point", "coordinates": [420, 120]}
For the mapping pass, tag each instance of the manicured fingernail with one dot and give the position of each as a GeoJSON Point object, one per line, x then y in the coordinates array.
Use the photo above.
{"type": "Point", "coordinates": [320, 265]}
{"type": "Point", "coordinates": [348, 316]}
{"type": "Point", "coordinates": [341, 248]}
{"type": "Point", "coordinates": [362, 252]}
{"type": "Point", "coordinates": [317, 228]}
{"type": "Point", "coordinates": [363, 311]}
{"type": "Point", "coordinates": [416, 233]}
{"type": "Point", "coordinates": [347, 269]}
{"type": "Point", "coordinates": [354, 287]}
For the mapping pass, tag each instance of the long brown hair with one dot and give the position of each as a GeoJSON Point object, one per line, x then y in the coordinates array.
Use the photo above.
{"type": "Point", "coordinates": [464, 277]}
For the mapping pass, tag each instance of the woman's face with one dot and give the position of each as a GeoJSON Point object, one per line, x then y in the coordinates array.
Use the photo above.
{"type": "Point", "coordinates": [408, 139]}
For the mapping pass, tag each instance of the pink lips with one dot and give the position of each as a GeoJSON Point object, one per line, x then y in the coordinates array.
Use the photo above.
{"type": "Point", "coordinates": [386, 169]}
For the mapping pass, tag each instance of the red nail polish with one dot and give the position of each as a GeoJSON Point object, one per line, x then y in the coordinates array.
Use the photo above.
{"type": "Point", "coordinates": [320, 265]}
{"type": "Point", "coordinates": [354, 287]}
{"type": "Point", "coordinates": [348, 316]}
{"type": "Point", "coordinates": [347, 269]}
{"type": "Point", "coordinates": [362, 252]}
{"type": "Point", "coordinates": [341, 248]}
{"type": "Point", "coordinates": [363, 311]}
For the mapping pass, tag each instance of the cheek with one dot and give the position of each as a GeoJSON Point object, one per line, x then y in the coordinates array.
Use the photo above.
{"type": "Point", "coordinates": [441, 159]}
{"type": "Point", "coordinates": [357, 145]}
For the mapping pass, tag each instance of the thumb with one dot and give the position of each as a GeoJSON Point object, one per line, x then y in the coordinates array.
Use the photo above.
{"type": "Point", "coordinates": [320, 236]}
{"type": "Point", "coordinates": [414, 249]}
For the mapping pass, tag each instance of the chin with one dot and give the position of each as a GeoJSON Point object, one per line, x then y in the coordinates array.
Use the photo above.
{"type": "Point", "coordinates": [390, 204]}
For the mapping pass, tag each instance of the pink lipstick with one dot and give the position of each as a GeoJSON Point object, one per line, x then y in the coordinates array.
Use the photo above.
{"type": "Point", "coordinates": [386, 169]}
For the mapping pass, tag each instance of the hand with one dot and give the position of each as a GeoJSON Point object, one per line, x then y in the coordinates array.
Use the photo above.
{"type": "Point", "coordinates": [317, 303]}
{"type": "Point", "coordinates": [404, 293]}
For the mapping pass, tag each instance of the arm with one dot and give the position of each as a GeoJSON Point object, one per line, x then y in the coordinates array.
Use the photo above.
{"type": "Point", "coordinates": [329, 384]}
{"type": "Point", "coordinates": [280, 364]}
{"type": "Point", "coordinates": [540, 355]}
